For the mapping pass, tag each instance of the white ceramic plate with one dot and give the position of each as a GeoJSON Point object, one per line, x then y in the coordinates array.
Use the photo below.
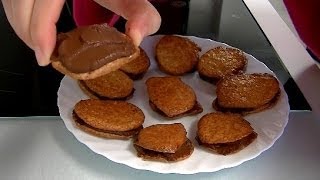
{"type": "Point", "coordinates": [268, 124]}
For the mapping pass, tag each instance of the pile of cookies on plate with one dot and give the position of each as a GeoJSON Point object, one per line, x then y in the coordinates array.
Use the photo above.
{"type": "Point", "coordinates": [105, 64]}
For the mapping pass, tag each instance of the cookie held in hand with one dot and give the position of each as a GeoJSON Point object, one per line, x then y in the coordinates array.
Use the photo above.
{"type": "Point", "coordinates": [92, 51]}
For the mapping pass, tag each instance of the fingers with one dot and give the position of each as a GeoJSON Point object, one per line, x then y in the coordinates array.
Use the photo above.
{"type": "Point", "coordinates": [34, 22]}
{"type": "Point", "coordinates": [43, 28]}
{"type": "Point", "coordinates": [18, 13]}
{"type": "Point", "coordinates": [143, 18]}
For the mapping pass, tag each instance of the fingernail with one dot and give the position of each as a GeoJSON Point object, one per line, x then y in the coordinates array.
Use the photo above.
{"type": "Point", "coordinates": [134, 34]}
{"type": "Point", "coordinates": [42, 58]}
{"type": "Point", "coordinates": [138, 39]}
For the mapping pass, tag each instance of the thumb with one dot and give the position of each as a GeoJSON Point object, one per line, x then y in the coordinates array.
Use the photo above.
{"type": "Point", "coordinates": [142, 25]}
{"type": "Point", "coordinates": [143, 18]}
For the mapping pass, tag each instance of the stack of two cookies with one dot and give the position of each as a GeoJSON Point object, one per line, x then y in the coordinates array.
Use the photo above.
{"type": "Point", "coordinates": [164, 142]}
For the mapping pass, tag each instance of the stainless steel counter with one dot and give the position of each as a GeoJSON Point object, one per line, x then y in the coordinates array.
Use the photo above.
{"type": "Point", "coordinates": [42, 148]}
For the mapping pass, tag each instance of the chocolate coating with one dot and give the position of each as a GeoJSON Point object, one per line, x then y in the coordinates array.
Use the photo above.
{"type": "Point", "coordinates": [88, 48]}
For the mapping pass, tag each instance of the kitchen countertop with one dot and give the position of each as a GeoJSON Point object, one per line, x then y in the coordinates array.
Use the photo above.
{"type": "Point", "coordinates": [40, 147]}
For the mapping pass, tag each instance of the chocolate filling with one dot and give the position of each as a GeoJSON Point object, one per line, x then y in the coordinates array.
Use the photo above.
{"type": "Point", "coordinates": [209, 79]}
{"type": "Point", "coordinates": [88, 48]}
{"type": "Point", "coordinates": [196, 109]}
{"type": "Point", "coordinates": [183, 152]}
{"type": "Point", "coordinates": [214, 80]}
{"type": "Point", "coordinates": [244, 111]}
{"type": "Point", "coordinates": [230, 147]}
{"type": "Point", "coordinates": [106, 98]}
{"type": "Point", "coordinates": [120, 133]}
{"type": "Point", "coordinates": [135, 76]}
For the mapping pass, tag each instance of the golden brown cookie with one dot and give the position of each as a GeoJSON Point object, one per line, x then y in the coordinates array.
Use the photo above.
{"type": "Point", "coordinates": [220, 62]}
{"type": "Point", "coordinates": [224, 133]}
{"type": "Point", "coordinates": [110, 119]}
{"type": "Point", "coordinates": [115, 85]}
{"type": "Point", "coordinates": [163, 142]}
{"type": "Point", "coordinates": [246, 93]}
{"type": "Point", "coordinates": [176, 55]}
{"type": "Point", "coordinates": [171, 97]}
{"type": "Point", "coordinates": [137, 67]}
{"type": "Point", "coordinates": [92, 51]}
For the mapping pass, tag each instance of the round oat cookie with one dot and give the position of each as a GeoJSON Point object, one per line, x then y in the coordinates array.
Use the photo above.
{"type": "Point", "coordinates": [166, 138]}
{"type": "Point", "coordinates": [219, 127]}
{"type": "Point", "coordinates": [170, 95]}
{"type": "Point", "coordinates": [220, 62]}
{"type": "Point", "coordinates": [113, 86]}
{"type": "Point", "coordinates": [137, 67]}
{"type": "Point", "coordinates": [176, 55]}
{"type": "Point", "coordinates": [109, 115]}
{"type": "Point", "coordinates": [247, 90]}
{"type": "Point", "coordinates": [92, 51]}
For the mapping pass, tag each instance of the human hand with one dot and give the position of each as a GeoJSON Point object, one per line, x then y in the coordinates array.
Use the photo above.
{"type": "Point", "coordinates": [34, 21]}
